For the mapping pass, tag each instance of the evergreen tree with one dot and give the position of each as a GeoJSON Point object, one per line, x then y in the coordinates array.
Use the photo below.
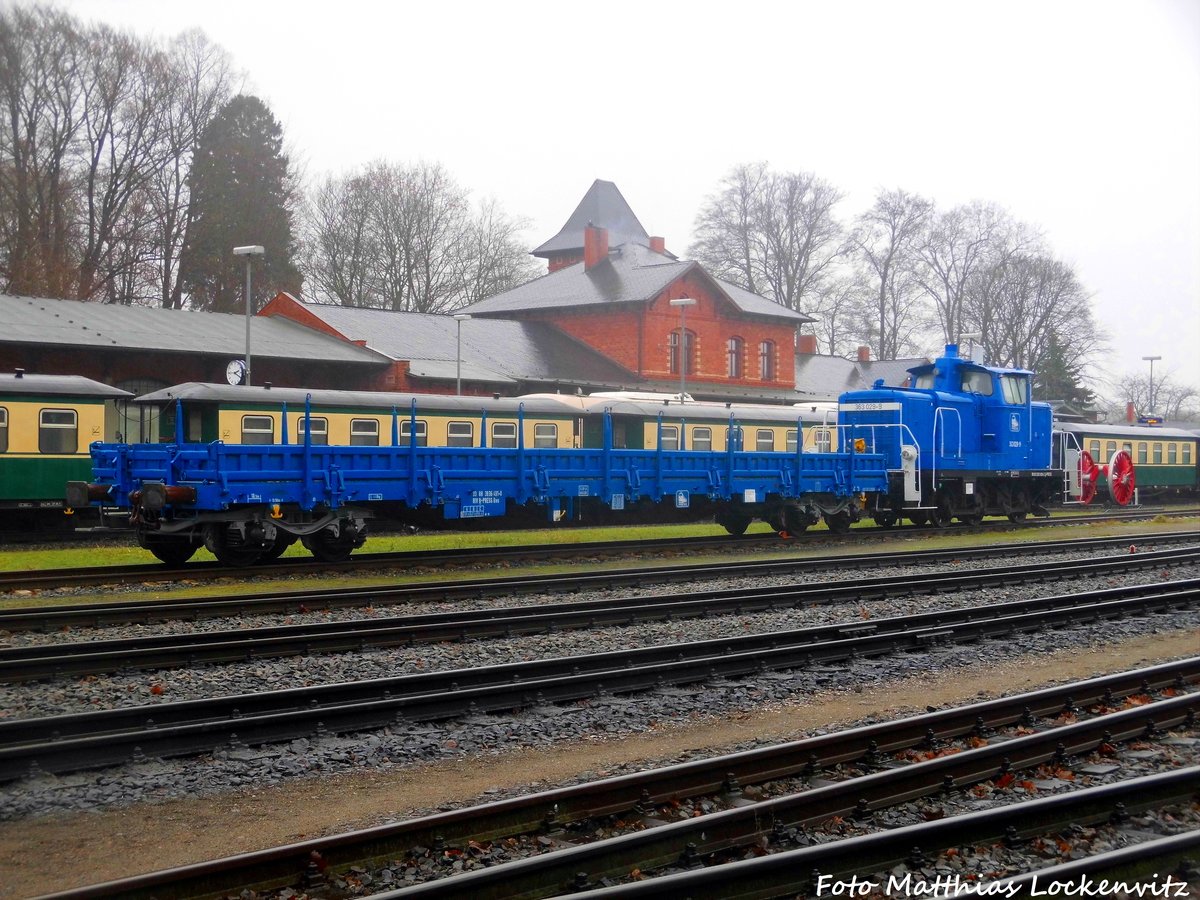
{"type": "Point", "coordinates": [1059, 379]}
{"type": "Point", "coordinates": [240, 194]}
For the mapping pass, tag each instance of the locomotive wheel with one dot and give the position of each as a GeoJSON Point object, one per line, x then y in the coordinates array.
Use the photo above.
{"type": "Point", "coordinates": [1089, 475]}
{"type": "Point", "coordinates": [838, 523]}
{"type": "Point", "coordinates": [216, 539]}
{"type": "Point", "coordinates": [971, 519]}
{"type": "Point", "coordinates": [1121, 479]}
{"type": "Point", "coordinates": [940, 517]}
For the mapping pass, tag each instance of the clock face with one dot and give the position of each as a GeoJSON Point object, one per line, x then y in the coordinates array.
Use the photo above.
{"type": "Point", "coordinates": [235, 372]}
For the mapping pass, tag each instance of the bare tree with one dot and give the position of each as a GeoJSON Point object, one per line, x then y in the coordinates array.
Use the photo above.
{"type": "Point", "coordinates": [406, 238]}
{"type": "Point", "coordinates": [1173, 401]}
{"type": "Point", "coordinates": [772, 233]}
{"type": "Point", "coordinates": [886, 240]}
{"type": "Point", "coordinates": [957, 243]}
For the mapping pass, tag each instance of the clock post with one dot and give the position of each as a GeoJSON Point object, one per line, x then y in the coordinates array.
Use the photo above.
{"type": "Point", "coordinates": [248, 252]}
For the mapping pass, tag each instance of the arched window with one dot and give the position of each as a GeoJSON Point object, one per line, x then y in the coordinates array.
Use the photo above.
{"type": "Point", "coordinates": [737, 357]}
{"type": "Point", "coordinates": [766, 360]}
{"type": "Point", "coordinates": [689, 352]}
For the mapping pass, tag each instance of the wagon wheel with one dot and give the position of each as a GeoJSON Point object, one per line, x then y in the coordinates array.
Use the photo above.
{"type": "Point", "coordinates": [328, 547]}
{"type": "Point", "coordinates": [838, 523]}
{"type": "Point", "coordinates": [886, 519]}
{"type": "Point", "coordinates": [736, 525]}
{"type": "Point", "coordinates": [1121, 478]}
{"type": "Point", "coordinates": [172, 551]}
{"type": "Point", "coordinates": [216, 539]}
{"type": "Point", "coordinates": [1089, 474]}
{"type": "Point", "coordinates": [283, 540]}
{"type": "Point", "coordinates": [920, 519]}
{"type": "Point", "coordinates": [1017, 517]}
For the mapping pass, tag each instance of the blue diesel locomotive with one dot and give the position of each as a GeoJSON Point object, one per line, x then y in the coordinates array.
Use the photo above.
{"type": "Point", "coordinates": [964, 441]}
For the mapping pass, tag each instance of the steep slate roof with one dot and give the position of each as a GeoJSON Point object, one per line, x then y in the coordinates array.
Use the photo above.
{"type": "Point", "coordinates": [72, 323]}
{"type": "Point", "coordinates": [494, 351]}
{"type": "Point", "coordinates": [632, 274]}
{"type": "Point", "coordinates": [826, 377]}
{"type": "Point", "coordinates": [604, 207]}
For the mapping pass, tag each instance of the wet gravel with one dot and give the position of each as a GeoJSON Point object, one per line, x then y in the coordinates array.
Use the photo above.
{"type": "Point", "coordinates": [596, 719]}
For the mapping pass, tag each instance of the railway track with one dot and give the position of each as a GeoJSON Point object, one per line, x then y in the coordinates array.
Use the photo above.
{"type": "Point", "coordinates": [65, 743]}
{"type": "Point", "coordinates": [171, 651]}
{"type": "Point", "coordinates": [37, 618]}
{"type": "Point", "coordinates": [769, 842]}
{"type": "Point", "coordinates": [293, 566]}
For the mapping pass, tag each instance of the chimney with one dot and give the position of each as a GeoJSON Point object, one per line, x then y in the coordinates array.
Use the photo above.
{"type": "Point", "coordinates": [595, 245]}
{"type": "Point", "coordinates": [807, 344]}
{"type": "Point", "coordinates": [658, 244]}
{"type": "Point", "coordinates": [864, 354]}
{"type": "Point", "coordinates": [1130, 413]}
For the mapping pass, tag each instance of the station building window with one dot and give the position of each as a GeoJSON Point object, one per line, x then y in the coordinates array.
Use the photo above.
{"type": "Point", "coordinates": [504, 435]}
{"type": "Point", "coordinates": [258, 430]}
{"type": "Point", "coordinates": [702, 438]}
{"type": "Point", "coordinates": [317, 427]}
{"type": "Point", "coordinates": [689, 348]}
{"type": "Point", "coordinates": [766, 360]}
{"type": "Point", "coordinates": [3, 429]}
{"type": "Point", "coordinates": [545, 435]}
{"type": "Point", "coordinates": [764, 440]}
{"type": "Point", "coordinates": [460, 434]}
{"type": "Point", "coordinates": [737, 357]}
{"type": "Point", "coordinates": [364, 432]}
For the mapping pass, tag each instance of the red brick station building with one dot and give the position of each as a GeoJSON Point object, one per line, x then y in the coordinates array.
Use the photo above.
{"type": "Point", "coordinates": [602, 318]}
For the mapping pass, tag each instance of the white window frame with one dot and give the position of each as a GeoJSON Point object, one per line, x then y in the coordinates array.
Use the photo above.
{"type": "Point", "coordinates": [545, 435]}
{"type": "Point", "coordinates": [360, 437]}
{"type": "Point", "coordinates": [511, 436]}
{"type": "Point", "coordinates": [456, 440]}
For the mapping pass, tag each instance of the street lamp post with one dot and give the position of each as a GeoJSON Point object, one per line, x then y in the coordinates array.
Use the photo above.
{"type": "Point", "coordinates": [1151, 360]}
{"type": "Point", "coordinates": [248, 252]}
{"type": "Point", "coordinates": [460, 318]}
{"type": "Point", "coordinates": [683, 303]}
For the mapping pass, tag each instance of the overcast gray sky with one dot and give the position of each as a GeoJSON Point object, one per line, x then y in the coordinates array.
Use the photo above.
{"type": "Point", "coordinates": [1079, 116]}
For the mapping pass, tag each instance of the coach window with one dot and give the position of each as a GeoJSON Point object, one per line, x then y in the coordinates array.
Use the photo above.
{"type": "Point", "coordinates": [1110, 447]}
{"type": "Point", "coordinates": [737, 355]}
{"type": "Point", "coordinates": [318, 430]}
{"type": "Point", "coordinates": [1157, 454]}
{"type": "Point", "coordinates": [1127, 447]}
{"type": "Point", "coordinates": [1171, 454]}
{"type": "Point", "coordinates": [766, 360]}
{"type": "Point", "coordinates": [702, 438]}
{"type": "Point", "coordinates": [735, 439]}
{"type": "Point", "coordinates": [406, 432]}
{"type": "Point", "coordinates": [460, 434]}
{"type": "Point", "coordinates": [58, 431]}
{"type": "Point", "coordinates": [364, 432]}
{"type": "Point", "coordinates": [764, 440]}
{"type": "Point", "coordinates": [258, 430]}
{"type": "Point", "coordinates": [791, 440]}
{"type": "Point", "coordinates": [1187, 454]}
{"type": "Point", "coordinates": [670, 437]}
{"type": "Point", "coordinates": [3, 429]}
{"type": "Point", "coordinates": [1094, 449]}
{"type": "Point", "coordinates": [545, 435]}
{"type": "Point", "coordinates": [823, 439]}
{"type": "Point", "coordinates": [1141, 453]}
{"type": "Point", "coordinates": [504, 434]}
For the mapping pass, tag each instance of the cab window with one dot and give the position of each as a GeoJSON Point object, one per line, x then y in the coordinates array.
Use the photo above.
{"type": "Point", "coordinates": [258, 430]}
{"type": "Point", "coordinates": [460, 434]}
{"type": "Point", "coordinates": [545, 435]}
{"type": "Point", "coordinates": [975, 381]}
{"type": "Point", "coordinates": [317, 427]}
{"type": "Point", "coordinates": [670, 437]}
{"type": "Point", "coordinates": [1015, 389]}
{"type": "Point", "coordinates": [406, 433]}
{"type": "Point", "coordinates": [925, 382]}
{"type": "Point", "coordinates": [764, 439]}
{"type": "Point", "coordinates": [504, 435]}
{"type": "Point", "coordinates": [3, 429]}
{"type": "Point", "coordinates": [702, 438]}
{"type": "Point", "coordinates": [364, 432]}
